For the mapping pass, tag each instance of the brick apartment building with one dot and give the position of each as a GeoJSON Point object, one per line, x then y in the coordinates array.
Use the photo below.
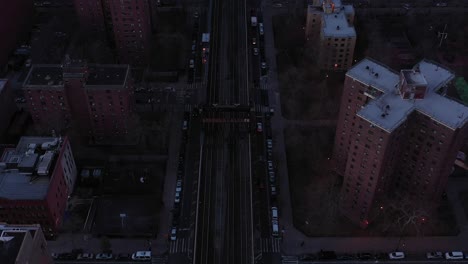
{"type": "Point", "coordinates": [7, 106]}
{"type": "Point", "coordinates": [36, 179]}
{"type": "Point", "coordinates": [95, 99]}
{"type": "Point", "coordinates": [15, 21]}
{"type": "Point", "coordinates": [127, 22]}
{"type": "Point", "coordinates": [23, 244]}
{"type": "Point", "coordinates": [329, 28]}
{"type": "Point", "coordinates": [397, 137]}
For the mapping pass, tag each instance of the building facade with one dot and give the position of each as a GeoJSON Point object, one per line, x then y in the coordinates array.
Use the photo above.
{"type": "Point", "coordinates": [97, 100]}
{"type": "Point", "coordinates": [397, 138]}
{"type": "Point", "coordinates": [7, 106]}
{"type": "Point", "coordinates": [36, 179]}
{"type": "Point", "coordinates": [23, 244]}
{"type": "Point", "coordinates": [330, 30]}
{"type": "Point", "coordinates": [127, 23]}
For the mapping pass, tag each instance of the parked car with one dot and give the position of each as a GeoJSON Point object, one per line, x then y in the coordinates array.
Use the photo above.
{"type": "Point", "coordinates": [174, 234]}
{"type": "Point", "coordinates": [177, 197]}
{"type": "Point", "coordinates": [264, 65]}
{"type": "Point", "coordinates": [324, 255]}
{"type": "Point", "coordinates": [104, 256]}
{"type": "Point", "coordinates": [364, 256]}
{"type": "Point", "coordinates": [380, 256]}
{"type": "Point", "coordinates": [54, 255]}
{"type": "Point", "coordinates": [85, 256]}
{"type": "Point", "coordinates": [123, 257]}
{"type": "Point", "coordinates": [254, 41]}
{"type": "Point", "coordinates": [396, 255]}
{"type": "Point", "coordinates": [346, 257]}
{"type": "Point", "coordinates": [454, 255]}
{"type": "Point", "coordinates": [66, 256]}
{"type": "Point", "coordinates": [141, 255]}
{"type": "Point", "coordinates": [434, 255]}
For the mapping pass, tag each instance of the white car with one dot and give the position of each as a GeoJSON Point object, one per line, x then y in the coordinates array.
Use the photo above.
{"type": "Point", "coordinates": [264, 65]}
{"type": "Point", "coordinates": [174, 234]}
{"type": "Point", "coordinates": [434, 255]}
{"type": "Point", "coordinates": [177, 197]}
{"type": "Point", "coordinates": [396, 255]}
{"type": "Point", "coordinates": [454, 255]}
{"type": "Point", "coordinates": [104, 256]}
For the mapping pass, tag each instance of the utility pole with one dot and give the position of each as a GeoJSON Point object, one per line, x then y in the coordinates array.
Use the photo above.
{"type": "Point", "coordinates": [442, 35]}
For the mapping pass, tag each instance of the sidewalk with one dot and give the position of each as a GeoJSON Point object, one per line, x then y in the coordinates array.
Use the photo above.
{"type": "Point", "coordinates": [292, 238]}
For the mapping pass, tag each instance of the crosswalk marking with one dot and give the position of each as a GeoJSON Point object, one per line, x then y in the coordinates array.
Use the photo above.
{"type": "Point", "coordinates": [181, 245]}
{"type": "Point", "coordinates": [270, 244]}
{"type": "Point", "coordinates": [289, 260]}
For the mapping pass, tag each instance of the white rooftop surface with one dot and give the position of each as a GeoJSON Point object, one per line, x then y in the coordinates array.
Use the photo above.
{"type": "Point", "coordinates": [336, 25]}
{"type": "Point", "coordinates": [445, 111]}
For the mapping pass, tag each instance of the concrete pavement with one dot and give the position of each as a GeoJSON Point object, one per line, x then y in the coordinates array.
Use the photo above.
{"type": "Point", "coordinates": [292, 238]}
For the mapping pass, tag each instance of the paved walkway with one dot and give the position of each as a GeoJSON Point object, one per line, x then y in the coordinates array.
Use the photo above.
{"type": "Point", "coordinates": [292, 238]}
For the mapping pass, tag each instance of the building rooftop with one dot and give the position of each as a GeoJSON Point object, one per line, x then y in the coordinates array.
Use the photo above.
{"type": "Point", "coordinates": [336, 25]}
{"type": "Point", "coordinates": [10, 245]}
{"type": "Point", "coordinates": [389, 110]}
{"type": "Point", "coordinates": [114, 74]}
{"type": "Point", "coordinates": [45, 75]}
{"type": "Point", "coordinates": [24, 171]}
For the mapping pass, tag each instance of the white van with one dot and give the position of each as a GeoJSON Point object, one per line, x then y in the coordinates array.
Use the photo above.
{"type": "Point", "coordinates": [274, 212]}
{"type": "Point", "coordinates": [141, 255]}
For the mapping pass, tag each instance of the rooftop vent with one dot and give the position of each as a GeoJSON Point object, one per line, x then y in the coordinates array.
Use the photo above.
{"type": "Point", "coordinates": [383, 115]}
{"type": "Point", "coordinates": [337, 27]}
{"type": "Point", "coordinates": [367, 67]}
{"type": "Point", "coordinates": [376, 75]}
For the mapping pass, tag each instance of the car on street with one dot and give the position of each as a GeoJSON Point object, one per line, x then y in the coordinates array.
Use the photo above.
{"type": "Point", "coordinates": [66, 256]}
{"type": "Point", "coordinates": [308, 257]}
{"type": "Point", "coordinates": [254, 41]}
{"type": "Point", "coordinates": [122, 256]}
{"type": "Point", "coordinates": [192, 64]}
{"type": "Point", "coordinates": [346, 257]}
{"type": "Point", "coordinates": [177, 197]}
{"type": "Point", "coordinates": [141, 255]}
{"type": "Point", "coordinates": [326, 255]}
{"type": "Point", "coordinates": [255, 51]}
{"type": "Point", "coordinates": [364, 256]}
{"type": "Point", "coordinates": [174, 234]}
{"type": "Point", "coordinates": [273, 190]}
{"type": "Point", "coordinates": [454, 255]}
{"type": "Point", "coordinates": [380, 255]}
{"type": "Point", "coordinates": [269, 143]}
{"type": "Point", "coordinates": [85, 256]}
{"type": "Point", "coordinates": [179, 183]}
{"type": "Point", "coordinates": [260, 28]}
{"type": "Point", "coordinates": [272, 176]}
{"type": "Point", "coordinates": [396, 255]}
{"type": "Point", "coordinates": [104, 256]}
{"type": "Point", "coordinates": [195, 15]}
{"type": "Point", "coordinates": [434, 255]}
{"type": "Point", "coordinates": [264, 65]}
{"type": "Point", "coordinates": [259, 127]}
